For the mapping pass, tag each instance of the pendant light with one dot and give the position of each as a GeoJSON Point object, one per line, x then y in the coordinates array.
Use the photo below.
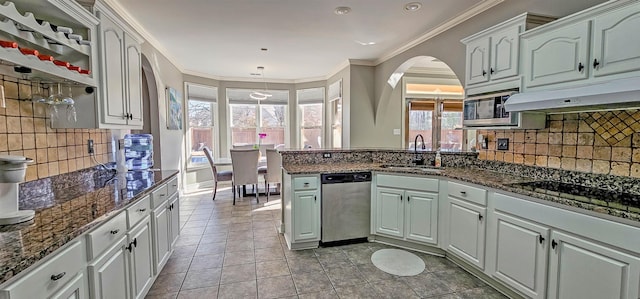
{"type": "Point", "coordinates": [261, 95]}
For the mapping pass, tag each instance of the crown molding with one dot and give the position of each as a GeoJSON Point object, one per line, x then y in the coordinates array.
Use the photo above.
{"type": "Point", "coordinates": [468, 14]}
{"type": "Point", "coordinates": [143, 32]}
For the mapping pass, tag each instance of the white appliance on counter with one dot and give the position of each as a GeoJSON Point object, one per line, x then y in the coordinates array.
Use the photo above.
{"type": "Point", "coordinates": [12, 172]}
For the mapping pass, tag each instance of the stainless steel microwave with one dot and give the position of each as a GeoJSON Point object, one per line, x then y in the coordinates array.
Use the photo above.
{"type": "Point", "coordinates": [488, 110]}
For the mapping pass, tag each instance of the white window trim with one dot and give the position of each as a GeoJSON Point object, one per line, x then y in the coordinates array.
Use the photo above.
{"type": "Point", "coordinates": [287, 126]}
{"type": "Point", "coordinates": [215, 123]}
{"type": "Point", "coordinates": [298, 128]}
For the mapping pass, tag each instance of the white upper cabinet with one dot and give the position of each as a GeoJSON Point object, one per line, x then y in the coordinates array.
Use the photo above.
{"type": "Point", "coordinates": [558, 56]}
{"type": "Point", "coordinates": [492, 56]}
{"type": "Point", "coordinates": [477, 61]}
{"type": "Point", "coordinates": [121, 72]}
{"type": "Point", "coordinates": [505, 45]}
{"type": "Point", "coordinates": [595, 45]}
{"type": "Point", "coordinates": [616, 42]}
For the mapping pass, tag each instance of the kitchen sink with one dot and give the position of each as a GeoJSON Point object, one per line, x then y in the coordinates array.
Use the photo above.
{"type": "Point", "coordinates": [414, 168]}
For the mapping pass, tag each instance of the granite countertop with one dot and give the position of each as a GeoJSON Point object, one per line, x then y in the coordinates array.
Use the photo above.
{"type": "Point", "coordinates": [65, 211]}
{"type": "Point", "coordinates": [604, 208]}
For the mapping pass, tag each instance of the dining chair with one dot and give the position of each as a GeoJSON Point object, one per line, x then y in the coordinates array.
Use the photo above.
{"type": "Point", "coordinates": [245, 169]}
{"type": "Point", "coordinates": [274, 170]}
{"type": "Point", "coordinates": [223, 175]}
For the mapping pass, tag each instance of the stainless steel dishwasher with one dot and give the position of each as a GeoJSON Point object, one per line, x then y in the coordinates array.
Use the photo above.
{"type": "Point", "coordinates": [346, 206]}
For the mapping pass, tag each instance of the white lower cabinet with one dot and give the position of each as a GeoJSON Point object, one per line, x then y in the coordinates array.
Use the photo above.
{"type": "Point", "coordinates": [301, 210]}
{"type": "Point", "coordinates": [579, 268]}
{"type": "Point", "coordinates": [161, 237]}
{"type": "Point", "coordinates": [61, 276]}
{"type": "Point", "coordinates": [520, 254]}
{"type": "Point", "coordinates": [109, 273]}
{"type": "Point", "coordinates": [77, 288]}
{"type": "Point", "coordinates": [306, 223]}
{"type": "Point", "coordinates": [467, 231]}
{"type": "Point", "coordinates": [166, 229]}
{"type": "Point", "coordinates": [401, 212]}
{"type": "Point", "coordinates": [466, 222]}
{"type": "Point", "coordinates": [141, 258]}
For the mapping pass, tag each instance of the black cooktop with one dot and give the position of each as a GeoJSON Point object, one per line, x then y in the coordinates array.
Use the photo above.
{"type": "Point", "coordinates": [602, 197]}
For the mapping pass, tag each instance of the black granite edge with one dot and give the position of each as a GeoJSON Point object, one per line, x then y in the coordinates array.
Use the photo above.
{"type": "Point", "coordinates": [376, 150]}
{"type": "Point", "coordinates": [35, 260]}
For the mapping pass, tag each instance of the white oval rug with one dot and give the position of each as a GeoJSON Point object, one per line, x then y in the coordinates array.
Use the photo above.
{"type": "Point", "coordinates": [397, 262]}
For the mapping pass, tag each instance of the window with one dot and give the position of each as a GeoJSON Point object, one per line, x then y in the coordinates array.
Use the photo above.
{"type": "Point", "coordinates": [421, 118]}
{"type": "Point", "coordinates": [310, 117]}
{"type": "Point", "coordinates": [202, 123]}
{"type": "Point", "coordinates": [335, 97]}
{"type": "Point", "coordinates": [249, 116]}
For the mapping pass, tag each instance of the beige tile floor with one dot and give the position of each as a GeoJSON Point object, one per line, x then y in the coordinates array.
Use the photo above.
{"type": "Point", "coordinates": [227, 251]}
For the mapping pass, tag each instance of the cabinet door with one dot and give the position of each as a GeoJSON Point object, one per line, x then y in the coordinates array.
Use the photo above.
{"type": "Point", "coordinates": [478, 61]}
{"type": "Point", "coordinates": [160, 221]}
{"type": "Point", "coordinates": [174, 208]}
{"type": "Point", "coordinates": [579, 268]}
{"type": "Point", "coordinates": [390, 212]}
{"type": "Point", "coordinates": [505, 46]}
{"type": "Point", "coordinates": [422, 217]}
{"type": "Point", "coordinates": [467, 231]}
{"type": "Point", "coordinates": [141, 259]}
{"type": "Point", "coordinates": [109, 274]}
{"type": "Point", "coordinates": [133, 70]}
{"type": "Point", "coordinates": [306, 216]}
{"type": "Point", "coordinates": [521, 254]}
{"type": "Point", "coordinates": [77, 288]}
{"type": "Point", "coordinates": [616, 45]}
{"type": "Point", "coordinates": [557, 56]}
{"type": "Point", "coordinates": [112, 59]}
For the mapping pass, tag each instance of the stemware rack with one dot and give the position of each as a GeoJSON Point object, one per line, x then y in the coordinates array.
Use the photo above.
{"type": "Point", "coordinates": [19, 22]}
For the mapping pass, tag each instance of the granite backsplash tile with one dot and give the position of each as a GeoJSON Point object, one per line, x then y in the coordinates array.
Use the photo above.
{"type": "Point", "coordinates": [25, 131]}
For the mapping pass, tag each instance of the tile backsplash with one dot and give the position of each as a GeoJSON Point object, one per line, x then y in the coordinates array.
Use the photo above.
{"type": "Point", "coordinates": [25, 131]}
{"type": "Point", "coordinates": [605, 142]}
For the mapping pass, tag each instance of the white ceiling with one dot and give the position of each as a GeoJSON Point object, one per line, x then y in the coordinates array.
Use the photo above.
{"type": "Point", "coordinates": [305, 39]}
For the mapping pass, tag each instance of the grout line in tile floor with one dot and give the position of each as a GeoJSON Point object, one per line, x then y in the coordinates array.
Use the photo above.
{"type": "Point", "coordinates": [212, 260]}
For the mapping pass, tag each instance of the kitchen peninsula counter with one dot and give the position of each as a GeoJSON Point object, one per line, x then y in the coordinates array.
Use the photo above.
{"type": "Point", "coordinates": [496, 175]}
{"type": "Point", "coordinates": [66, 207]}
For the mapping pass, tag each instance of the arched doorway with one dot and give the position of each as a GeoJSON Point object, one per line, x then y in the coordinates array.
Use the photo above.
{"type": "Point", "coordinates": [150, 112]}
{"type": "Point", "coordinates": [431, 97]}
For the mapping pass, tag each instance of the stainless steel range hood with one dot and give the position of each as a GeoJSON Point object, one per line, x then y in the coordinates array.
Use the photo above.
{"type": "Point", "coordinates": [611, 95]}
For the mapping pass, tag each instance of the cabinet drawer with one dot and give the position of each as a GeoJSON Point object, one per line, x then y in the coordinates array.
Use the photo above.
{"type": "Point", "coordinates": [104, 235]}
{"type": "Point", "coordinates": [138, 211]}
{"type": "Point", "coordinates": [49, 277]}
{"type": "Point", "coordinates": [407, 182]}
{"type": "Point", "coordinates": [159, 196]}
{"type": "Point", "coordinates": [172, 186]}
{"type": "Point", "coordinates": [305, 183]}
{"type": "Point", "coordinates": [468, 193]}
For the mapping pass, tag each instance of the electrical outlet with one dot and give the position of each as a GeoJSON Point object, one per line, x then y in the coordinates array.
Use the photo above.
{"type": "Point", "coordinates": [503, 144]}
{"type": "Point", "coordinates": [326, 155]}
{"type": "Point", "coordinates": [90, 146]}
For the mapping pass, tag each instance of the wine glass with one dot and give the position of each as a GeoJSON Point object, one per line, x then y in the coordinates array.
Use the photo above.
{"type": "Point", "coordinates": [37, 96]}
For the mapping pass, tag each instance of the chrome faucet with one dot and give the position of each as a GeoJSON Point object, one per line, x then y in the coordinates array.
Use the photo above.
{"type": "Point", "coordinates": [418, 160]}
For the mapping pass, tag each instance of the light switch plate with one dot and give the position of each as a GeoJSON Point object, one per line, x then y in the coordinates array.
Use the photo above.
{"type": "Point", "coordinates": [396, 132]}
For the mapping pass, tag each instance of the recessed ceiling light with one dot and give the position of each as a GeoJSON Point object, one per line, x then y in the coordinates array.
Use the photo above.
{"type": "Point", "coordinates": [365, 43]}
{"type": "Point", "coordinates": [413, 6]}
{"type": "Point", "coordinates": [342, 10]}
